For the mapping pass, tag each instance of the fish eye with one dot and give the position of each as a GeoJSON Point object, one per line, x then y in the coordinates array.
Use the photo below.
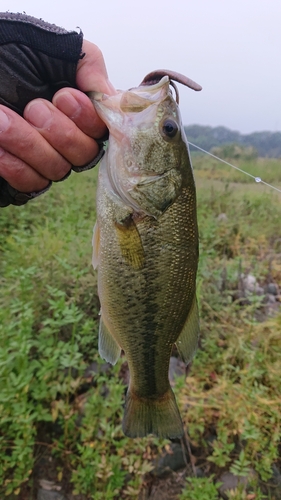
{"type": "Point", "coordinates": [170, 128]}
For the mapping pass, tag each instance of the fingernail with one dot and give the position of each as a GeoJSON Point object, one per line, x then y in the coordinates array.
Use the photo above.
{"type": "Point", "coordinates": [4, 121]}
{"type": "Point", "coordinates": [38, 114]}
{"type": "Point", "coordinates": [66, 103]}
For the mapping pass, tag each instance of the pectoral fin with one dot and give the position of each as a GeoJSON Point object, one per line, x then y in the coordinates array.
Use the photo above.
{"type": "Point", "coordinates": [130, 242]}
{"type": "Point", "coordinates": [108, 347]}
{"type": "Point", "coordinates": [96, 245]}
{"type": "Point", "coordinates": [188, 339]}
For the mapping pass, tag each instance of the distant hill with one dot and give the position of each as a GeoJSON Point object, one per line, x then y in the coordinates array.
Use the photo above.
{"type": "Point", "coordinates": [267, 144]}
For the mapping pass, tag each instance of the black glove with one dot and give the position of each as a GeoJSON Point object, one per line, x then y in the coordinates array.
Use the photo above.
{"type": "Point", "coordinates": [36, 60]}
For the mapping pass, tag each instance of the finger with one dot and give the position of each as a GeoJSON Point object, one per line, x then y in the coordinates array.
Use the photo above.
{"type": "Point", "coordinates": [61, 132]}
{"type": "Point", "coordinates": [91, 71]}
{"type": "Point", "coordinates": [20, 175]}
{"type": "Point", "coordinates": [20, 139]}
{"type": "Point", "coordinates": [78, 107]}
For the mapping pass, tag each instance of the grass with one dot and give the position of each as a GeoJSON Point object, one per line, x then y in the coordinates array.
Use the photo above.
{"type": "Point", "coordinates": [208, 168]}
{"type": "Point", "coordinates": [53, 405]}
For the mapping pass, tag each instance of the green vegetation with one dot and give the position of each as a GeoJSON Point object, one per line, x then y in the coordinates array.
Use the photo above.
{"type": "Point", "coordinates": [209, 169]}
{"type": "Point", "coordinates": [59, 401]}
{"type": "Point", "coordinates": [235, 152]}
{"type": "Point", "coordinates": [200, 489]}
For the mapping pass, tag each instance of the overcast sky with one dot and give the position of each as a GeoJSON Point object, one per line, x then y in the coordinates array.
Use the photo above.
{"type": "Point", "coordinates": [231, 48]}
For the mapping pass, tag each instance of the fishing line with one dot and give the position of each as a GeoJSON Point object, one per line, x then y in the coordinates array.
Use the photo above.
{"type": "Point", "coordinates": [257, 179]}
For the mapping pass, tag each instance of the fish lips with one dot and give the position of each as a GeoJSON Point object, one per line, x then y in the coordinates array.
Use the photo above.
{"type": "Point", "coordinates": [135, 100]}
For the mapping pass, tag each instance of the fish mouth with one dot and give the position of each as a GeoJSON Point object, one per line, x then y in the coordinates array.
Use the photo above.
{"type": "Point", "coordinates": [134, 100]}
{"type": "Point", "coordinates": [137, 99]}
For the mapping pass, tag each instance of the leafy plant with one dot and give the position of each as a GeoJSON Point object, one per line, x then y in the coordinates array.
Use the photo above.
{"type": "Point", "coordinates": [59, 399]}
{"type": "Point", "coordinates": [200, 489]}
{"type": "Point", "coordinates": [241, 466]}
{"type": "Point", "coordinates": [222, 451]}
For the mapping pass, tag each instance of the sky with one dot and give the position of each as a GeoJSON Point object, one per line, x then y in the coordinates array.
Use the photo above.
{"type": "Point", "coordinates": [231, 48]}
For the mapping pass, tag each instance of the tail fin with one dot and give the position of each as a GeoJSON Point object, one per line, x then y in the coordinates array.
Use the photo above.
{"type": "Point", "coordinates": [144, 416]}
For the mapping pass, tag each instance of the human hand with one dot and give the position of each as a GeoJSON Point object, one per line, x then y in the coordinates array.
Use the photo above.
{"type": "Point", "coordinates": [53, 137]}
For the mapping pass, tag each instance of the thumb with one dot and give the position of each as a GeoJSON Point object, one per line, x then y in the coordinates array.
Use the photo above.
{"type": "Point", "coordinates": [91, 71]}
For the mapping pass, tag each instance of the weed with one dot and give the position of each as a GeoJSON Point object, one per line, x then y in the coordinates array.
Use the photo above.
{"type": "Point", "coordinates": [200, 489]}
{"type": "Point", "coordinates": [49, 309]}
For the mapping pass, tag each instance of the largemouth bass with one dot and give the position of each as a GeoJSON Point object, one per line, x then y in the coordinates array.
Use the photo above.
{"type": "Point", "coordinates": [146, 248]}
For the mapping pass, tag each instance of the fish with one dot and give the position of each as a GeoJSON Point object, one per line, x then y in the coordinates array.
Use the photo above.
{"type": "Point", "coordinates": [145, 247]}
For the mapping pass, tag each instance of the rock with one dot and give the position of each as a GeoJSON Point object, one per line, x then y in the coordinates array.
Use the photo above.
{"type": "Point", "coordinates": [276, 475]}
{"type": "Point", "coordinates": [49, 495]}
{"type": "Point", "coordinates": [274, 483]}
{"type": "Point", "coordinates": [231, 482]}
{"type": "Point", "coordinates": [251, 286]}
{"type": "Point", "coordinates": [270, 298]}
{"type": "Point", "coordinates": [272, 289]}
{"type": "Point", "coordinates": [271, 304]}
{"type": "Point", "coordinates": [124, 373]}
{"type": "Point", "coordinates": [259, 290]}
{"type": "Point", "coordinates": [249, 283]}
{"type": "Point", "coordinates": [49, 485]}
{"type": "Point", "coordinates": [222, 217]}
{"type": "Point", "coordinates": [97, 369]}
{"type": "Point", "coordinates": [176, 368]}
{"type": "Point", "coordinates": [172, 460]}
{"type": "Point", "coordinates": [199, 472]}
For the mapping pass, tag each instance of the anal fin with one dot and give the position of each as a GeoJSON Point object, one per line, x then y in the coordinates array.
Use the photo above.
{"type": "Point", "coordinates": [188, 340]}
{"type": "Point", "coordinates": [108, 347]}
